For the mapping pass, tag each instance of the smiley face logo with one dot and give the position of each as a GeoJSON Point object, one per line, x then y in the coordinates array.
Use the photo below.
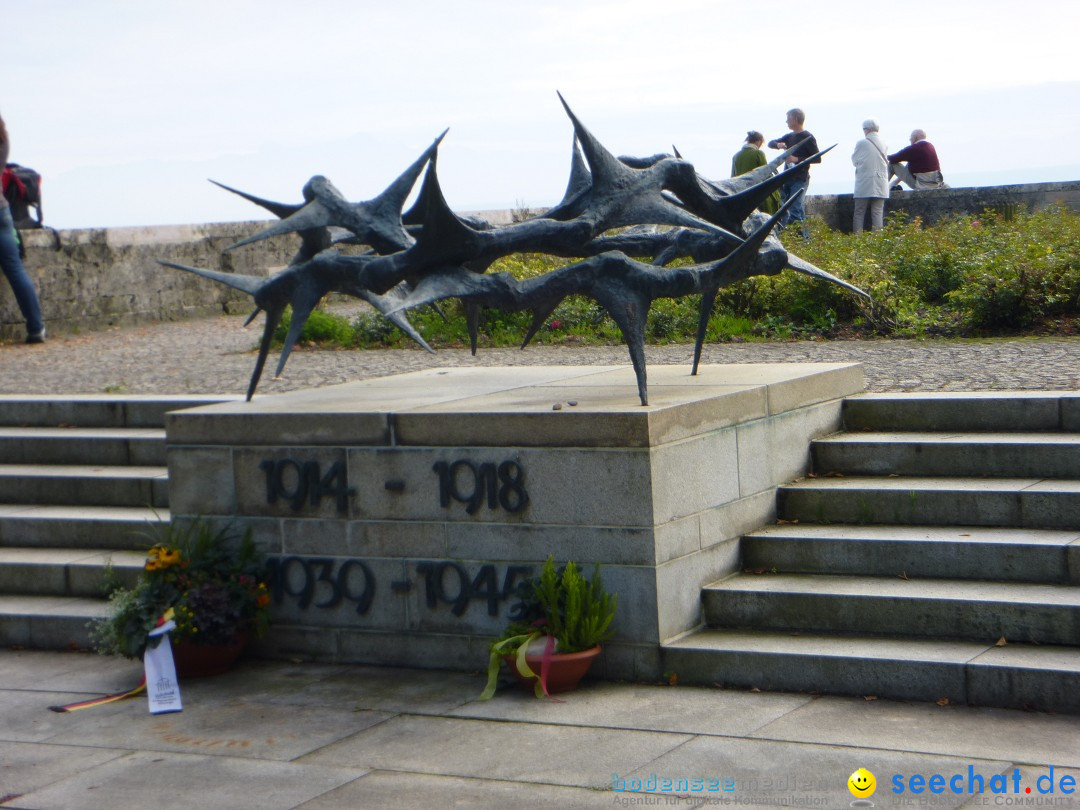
{"type": "Point", "coordinates": [862, 784]}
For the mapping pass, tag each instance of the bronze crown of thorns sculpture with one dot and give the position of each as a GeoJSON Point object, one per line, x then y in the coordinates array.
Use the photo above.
{"type": "Point", "coordinates": [429, 253]}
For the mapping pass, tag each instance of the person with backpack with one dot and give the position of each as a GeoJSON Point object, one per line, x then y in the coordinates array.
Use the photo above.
{"type": "Point", "coordinates": [22, 190]}
{"type": "Point", "coordinates": [11, 263]}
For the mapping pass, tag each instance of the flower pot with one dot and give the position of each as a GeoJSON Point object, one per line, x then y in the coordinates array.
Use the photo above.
{"type": "Point", "coordinates": [565, 670]}
{"type": "Point", "coordinates": [203, 660]}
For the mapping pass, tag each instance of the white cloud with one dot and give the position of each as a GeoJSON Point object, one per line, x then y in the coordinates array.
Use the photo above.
{"type": "Point", "coordinates": [263, 94]}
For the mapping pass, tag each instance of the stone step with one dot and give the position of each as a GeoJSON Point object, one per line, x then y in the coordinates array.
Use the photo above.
{"type": "Point", "coordinates": [890, 606]}
{"type": "Point", "coordinates": [1046, 678]}
{"type": "Point", "coordinates": [97, 410]}
{"type": "Point", "coordinates": [1013, 455]}
{"type": "Point", "coordinates": [970, 411]}
{"type": "Point", "coordinates": [113, 528]}
{"type": "Point", "coordinates": [948, 552]}
{"type": "Point", "coordinates": [918, 500]}
{"type": "Point", "coordinates": [84, 485]}
{"type": "Point", "coordinates": [56, 445]}
{"type": "Point", "coordinates": [67, 572]}
{"type": "Point", "coordinates": [48, 622]}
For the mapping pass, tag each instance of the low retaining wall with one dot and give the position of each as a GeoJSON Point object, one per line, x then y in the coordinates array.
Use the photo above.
{"type": "Point", "coordinates": [838, 209]}
{"type": "Point", "coordinates": [96, 278]}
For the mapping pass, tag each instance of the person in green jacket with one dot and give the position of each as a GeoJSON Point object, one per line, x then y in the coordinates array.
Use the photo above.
{"type": "Point", "coordinates": [749, 158]}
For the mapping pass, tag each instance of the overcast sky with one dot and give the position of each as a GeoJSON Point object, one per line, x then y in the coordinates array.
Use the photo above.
{"type": "Point", "coordinates": [126, 107]}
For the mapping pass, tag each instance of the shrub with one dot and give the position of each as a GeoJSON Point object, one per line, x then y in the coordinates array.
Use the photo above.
{"type": "Point", "coordinates": [1000, 271]}
{"type": "Point", "coordinates": [210, 581]}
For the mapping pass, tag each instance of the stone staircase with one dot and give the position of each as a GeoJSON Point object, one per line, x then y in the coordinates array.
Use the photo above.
{"type": "Point", "coordinates": [82, 480]}
{"type": "Point", "coordinates": [933, 554]}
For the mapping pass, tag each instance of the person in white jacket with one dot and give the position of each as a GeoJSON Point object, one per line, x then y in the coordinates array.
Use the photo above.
{"type": "Point", "coordinates": [871, 177]}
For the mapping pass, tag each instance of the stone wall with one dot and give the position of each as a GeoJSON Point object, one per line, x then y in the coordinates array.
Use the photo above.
{"type": "Point", "coordinates": [837, 209]}
{"type": "Point", "coordinates": [96, 278]}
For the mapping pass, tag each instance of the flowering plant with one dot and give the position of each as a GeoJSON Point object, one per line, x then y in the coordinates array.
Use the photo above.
{"type": "Point", "coordinates": [560, 611]}
{"type": "Point", "coordinates": [210, 583]}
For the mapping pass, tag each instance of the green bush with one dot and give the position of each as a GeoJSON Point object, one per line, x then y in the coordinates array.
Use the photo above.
{"type": "Point", "coordinates": [321, 327]}
{"type": "Point", "coordinates": [999, 272]}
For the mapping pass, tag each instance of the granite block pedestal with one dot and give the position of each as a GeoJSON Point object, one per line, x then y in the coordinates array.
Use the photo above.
{"type": "Point", "coordinates": [400, 512]}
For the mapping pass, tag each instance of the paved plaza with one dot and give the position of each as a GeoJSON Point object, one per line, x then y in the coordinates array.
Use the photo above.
{"type": "Point", "coordinates": [216, 356]}
{"type": "Point", "coordinates": [275, 735]}
{"type": "Point", "coordinates": [298, 734]}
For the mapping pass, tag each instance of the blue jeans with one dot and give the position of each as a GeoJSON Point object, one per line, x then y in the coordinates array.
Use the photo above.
{"type": "Point", "coordinates": [797, 212]}
{"type": "Point", "coordinates": [21, 285]}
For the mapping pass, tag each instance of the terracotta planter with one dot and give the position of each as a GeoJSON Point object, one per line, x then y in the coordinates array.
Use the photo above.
{"type": "Point", "coordinates": [203, 660]}
{"type": "Point", "coordinates": [565, 670]}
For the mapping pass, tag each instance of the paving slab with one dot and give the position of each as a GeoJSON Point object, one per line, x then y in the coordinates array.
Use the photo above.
{"type": "Point", "coordinates": [212, 726]}
{"type": "Point", "coordinates": [644, 707]}
{"type": "Point", "coordinates": [531, 753]}
{"type": "Point", "coordinates": [522, 751]}
{"type": "Point", "coordinates": [777, 774]}
{"type": "Point", "coordinates": [81, 672]}
{"type": "Point", "coordinates": [421, 792]}
{"type": "Point", "coordinates": [180, 782]}
{"type": "Point", "coordinates": [26, 767]}
{"type": "Point", "coordinates": [25, 715]}
{"type": "Point", "coordinates": [957, 731]}
{"type": "Point", "coordinates": [346, 688]}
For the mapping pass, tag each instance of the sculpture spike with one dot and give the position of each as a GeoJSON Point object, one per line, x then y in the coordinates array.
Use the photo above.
{"type": "Point", "coordinates": [600, 160]}
{"type": "Point", "coordinates": [733, 185]}
{"type": "Point", "coordinates": [708, 303]}
{"type": "Point", "coordinates": [248, 284]}
{"type": "Point", "coordinates": [396, 316]}
{"type": "Point", "coordinates": [540, 316]}
{"type": "Point", "coordinates": [397, 192]}
{"type": "Point", "coordinates": [472, 320]}
{"type": "Point", "coordinates": [741, 255]}
{"type": "Point", "coordinates": [308, 217]}
{"type": "Point", "coordinates": [443, 232]}
{"type": "Point", "coordinates": [737, 206]}
{"type": "Point", "coordinates": [304, 300]}
{"type": "Point", "coordinates": [580, 177]}
{"type": "Point", "coordinates": [802, 266]}
{"type": "Point", "coordinates": [630, 310]}
{"type": "Point", "coordinates": [280, 210]}
{"type": "Point", "coordinates": [273, 318]}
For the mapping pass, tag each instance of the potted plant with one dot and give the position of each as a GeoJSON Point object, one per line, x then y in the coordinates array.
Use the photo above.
{"type": "Point", "coordinates": [209, 582]}
{"type": "Point", "coordinates": [556, 630]}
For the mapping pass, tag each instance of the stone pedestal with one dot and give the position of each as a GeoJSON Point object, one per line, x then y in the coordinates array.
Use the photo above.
{"type": "Point", "coordinates": [401, 511]}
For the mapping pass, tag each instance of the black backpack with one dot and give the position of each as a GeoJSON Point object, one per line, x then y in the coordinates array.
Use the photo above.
{"type": "Point", "coordinates": [22, 190]}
